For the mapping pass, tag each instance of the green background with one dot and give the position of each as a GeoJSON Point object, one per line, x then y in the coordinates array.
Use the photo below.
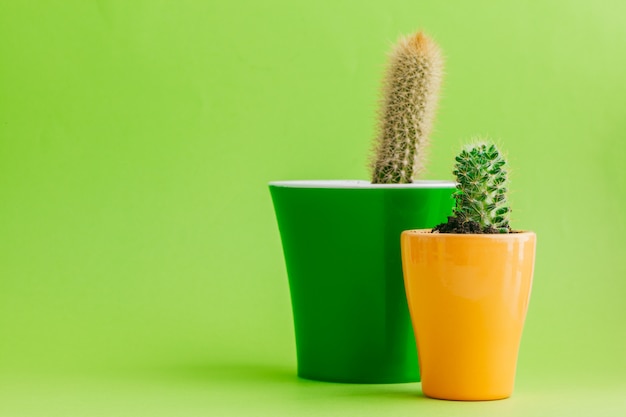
{"type": "Point", "coordinates": [141, 270]}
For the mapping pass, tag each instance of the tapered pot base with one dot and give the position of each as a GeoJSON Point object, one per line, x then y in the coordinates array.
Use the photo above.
{"type": "Point", "coordinates": [453, 397]}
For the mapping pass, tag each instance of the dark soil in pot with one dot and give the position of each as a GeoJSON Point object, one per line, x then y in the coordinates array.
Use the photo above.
{"type": "Point", "coordinates": [469, 227]}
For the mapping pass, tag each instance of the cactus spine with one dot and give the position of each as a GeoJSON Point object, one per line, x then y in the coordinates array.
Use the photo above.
{"type": "Point", "coordinates": [481, 188]}
{"type": "Point", "coordinates": [410, 95]}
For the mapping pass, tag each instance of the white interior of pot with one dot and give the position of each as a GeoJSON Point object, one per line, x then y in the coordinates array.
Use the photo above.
{"type": "Point", "coordinates": [361, 184]}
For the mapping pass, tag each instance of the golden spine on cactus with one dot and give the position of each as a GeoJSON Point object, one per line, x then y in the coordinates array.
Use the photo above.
{"type": "Point", "coordinates": [409, 100]}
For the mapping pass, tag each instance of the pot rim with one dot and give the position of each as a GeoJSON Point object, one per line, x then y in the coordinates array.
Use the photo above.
{"type": "Point", "coordinates": [427, 232]}
{"type": "Point", "coordinates": [361, 184]}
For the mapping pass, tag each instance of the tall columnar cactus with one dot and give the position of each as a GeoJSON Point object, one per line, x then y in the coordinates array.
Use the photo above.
{"type": "Point", "coordinates": [410, 96]}
{"type": "Point", "coordinates": [481, 188]}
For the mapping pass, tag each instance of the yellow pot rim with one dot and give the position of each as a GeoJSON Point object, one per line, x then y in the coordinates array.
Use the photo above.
{"type": "Point", "coordinates": [428, 232]}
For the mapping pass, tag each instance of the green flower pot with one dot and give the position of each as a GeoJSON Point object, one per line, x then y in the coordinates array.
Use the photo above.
{"type": "Point", "coordinates": [341, 242]}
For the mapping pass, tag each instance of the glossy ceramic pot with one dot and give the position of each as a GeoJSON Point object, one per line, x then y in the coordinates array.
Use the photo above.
{"type": "Point", "coordinates": [341, 243]}
{"type": "Point", "coordinates": [468, 296]}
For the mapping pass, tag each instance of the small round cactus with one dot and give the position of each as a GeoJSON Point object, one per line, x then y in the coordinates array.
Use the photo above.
{"type": "Point", "coordinates": [481, 205]}
{"type": "Point", "coordinates": [410, 96]}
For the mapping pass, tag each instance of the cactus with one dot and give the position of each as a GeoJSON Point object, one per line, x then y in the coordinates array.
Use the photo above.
{"type": "Point", "coordinates": [481, 205]}
{"type": "Point", "coordinates": [410, 96]}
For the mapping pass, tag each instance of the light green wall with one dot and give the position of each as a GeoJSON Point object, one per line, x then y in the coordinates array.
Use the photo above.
{"type": "Point", "coordinates": [137, 139]}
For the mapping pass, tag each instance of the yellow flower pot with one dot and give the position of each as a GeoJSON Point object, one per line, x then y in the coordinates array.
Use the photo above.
{"type": "Point", "coordinates": [468, 295]}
